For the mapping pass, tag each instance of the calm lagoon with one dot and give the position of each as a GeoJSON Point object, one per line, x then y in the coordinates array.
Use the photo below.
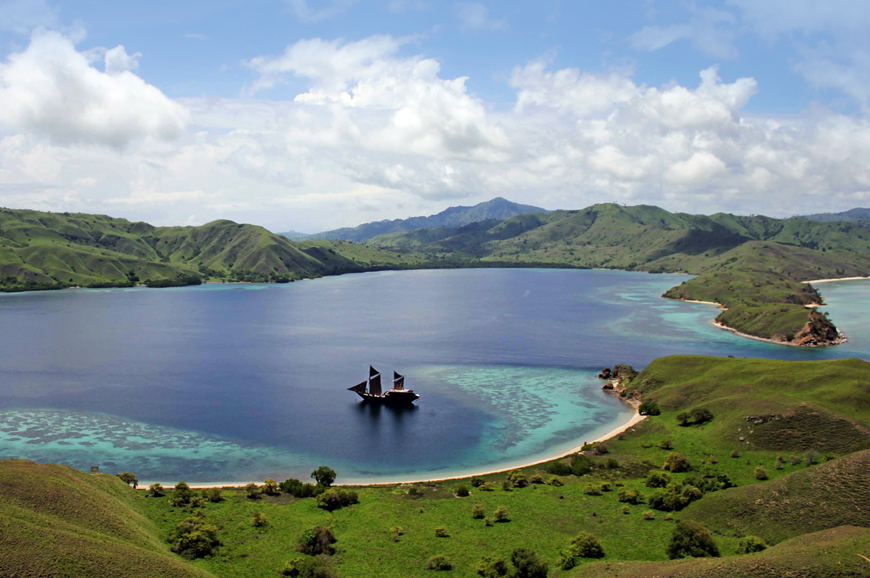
{"type": "Point", "coordinates": [231, 383]}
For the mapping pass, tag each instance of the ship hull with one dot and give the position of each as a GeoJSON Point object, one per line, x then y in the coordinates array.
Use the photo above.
{"type": "Point", "coordinates": [406, 397]}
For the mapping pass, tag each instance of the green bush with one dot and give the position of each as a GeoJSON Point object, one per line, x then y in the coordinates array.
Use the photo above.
{"type": "Point", "coordinates": [559, 468]}
{"type": "Point", "coordinates": [630, 496]}
{"type": "Point", "coordinates": [517, 479]}
{"type": "Point", "coordinates": [649, 407]}
{"type": "Point", "coordinates": [309, 568]}
{"type": "Point", "coordinates": [527, 564]}
{"type": "Point", "coordinates": [585, 546]}
{"type": "Point", "coordinates": [751, 544]}
{"type": "Point", "coordinates": [333, 499]}
{"type": "Point", "coordinates": [760, 474]}
{"type": "Point", "coordinates": [195, 539]}
{"type": "Point", "coordinates": [298, 489]}
{"type": "Point", "coordinates": [258, 520]}
{"type": "Point", "coordinates": [626, 510]}
{"type": "Point", "coordinates": [592, 490]}
{"type": "Point", "coordinates": [501, 514]}
{"type": "Point", "coordinates": [673, 497]}
{"type": "Point", "coordinates": [506, 485]}
{"type": "Point", "coordinates": [396, 532]}
{"type": "Point", "coordinates": [213, 495]}
{"type": "Point", "coordinates": [667, 444]}
{"type": "Point", "coordinates": [605, 487]}
{"type": "Point", "coordinates": [555, 481]}
{"type": "Point", "coordinates": [676, 462]}
{"type": "Point", "coordinates": [649, 515]}
{"type": "Point", "coordinates": [581, 465]}
{"type": "Point", "coordinates": [438, 563]}
{"type": "Point", "coordinates": [155, 491]}
{"type": "Point", "coordinates": [462, 491]}
{"type": "Point", "coordinates": [491, 567]}
{"type": "Point", "coordinates": [477, 512]}
{"type": "Point", "coordinates": [735, 454]}
{"type": "Point", "coordinates": [252, 491]}
{"type": "Point", "coordinates": [536, 479]}
{"type": "Point", "coordinates": [657, 480]}
{"type": "Point", "coordinates": [316, 541]}
{"type": "Point", "coordinates": [477, 482]}
{"type": "Point", "coordinates": [182, 495]}
{"type": "Point", "coordinates": [691, 540]}
{"type": "Point", "coordinates": [270, 487]}
{"type": "Point", "coordinates": [441, 532]}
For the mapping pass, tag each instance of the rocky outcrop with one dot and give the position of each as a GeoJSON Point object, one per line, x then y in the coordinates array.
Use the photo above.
{"type": "Point", "coordinates": [818, 331]}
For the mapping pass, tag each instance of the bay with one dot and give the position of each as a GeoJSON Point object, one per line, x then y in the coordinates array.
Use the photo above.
{"type": "Point", "coordinates": [231, 383]}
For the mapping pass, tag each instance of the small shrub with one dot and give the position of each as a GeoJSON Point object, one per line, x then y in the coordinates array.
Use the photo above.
{"type": "Point", "coordinates": [701, 415]}
{"type": "Point", "coordinates": [536, 479]}
{"type": "Point", "coordinates": [396, 532]}
{"type": "Point", "coordinates": [778, 465]}
{"type": "Point", "coordinates": [258, 520]}
{"type": "Point", "coordinates": [667, 444]}
{"type": "Point", "coordinates": [333, 499]}
{"type": "Point", "coordinates": [735, 454]}
{"type": "Point", "coordinates": [506, 485]}
{"type": "Point", "coordinates": [155, 491]}
{"type": "Point", "coordinates": [462, 491]}
{"type": "Point", "coordinates": [441, 532]}
{"type": "Point", "coordinates": [585, 546]}
{"type": "Point", "coordinates": [556, 481]}
{"type": "Point", "coordinates": [751, 544]}
{"type": "Point", "coordinates": [649, 407]}
{"type": "Point", "coordinates": [489, 487]}
{"type": "Point", "coordinates": [316, 541]}
{"type": "Point", "coordinates": [612, 464]}
{"type": "Point", "coordinates": [213, 495]}
{"type": "Point", "coordinates": [592, 490]}
{"type": "Point", "coordinates": [626, 510]}
{"type": "Point", "coordinates": [691, 540]}
{"type": "Point", "coordinates": [414, 492]}
{"type": "Point", "coordinates": [182, 495]}
{"type": "Point", "coordinates": [760, 474]}
{"type": "Point", "coordinates": [478, 512]}
{"type": "Point", "coordinates": [810, 458]}
{"type": "Point", "coordinates": [674, 496]}
{"type": "Point", "coordinates": [630, 496]}
{"type": "Point", "coordinates": [676, 462]}
{"type": "Point", "coordinates": [657, 480]}
{"type": "Point", "coordinates": [438, 563]}
{"type": "Point", "coordinates": [477, 482]}
{"type": "Point", "coordinates": [270, 487]}
{"type": "Point", "coordinates": [559, 468]}
{"type": "Point", "coordinates": [527, 564]}
{"type": "Point", "coordinates": [581, 465]}
{"type": "Point", "coordinates": [600, 450]}
{"type": "Point", "coordinates": [309, 568]}
{"type": "Point", "coordinates": [649, 515]}
{"type": "Point", "coordinates": [668, 517]}
{"type": "Point", "coordinates": [794, 460]}
{"type": "Point", "coordinates": [501, 514]}
{"type": "Point", "coordinates": [605, 487]}
{"type": "Point", "coordinates": [491, 567]}
{"type": "Point", "coordinates": [299, 490]}
{"type": "Point", "coordinates": [195, 539]}
{"type": "Point", "coordinates": [252, 491]}
{"type": "Point", "coordinates": [487, 522]}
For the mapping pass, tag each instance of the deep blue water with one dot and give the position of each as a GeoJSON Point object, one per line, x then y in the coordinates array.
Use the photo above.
{"type": "Point", "coordinates": [242, 382]}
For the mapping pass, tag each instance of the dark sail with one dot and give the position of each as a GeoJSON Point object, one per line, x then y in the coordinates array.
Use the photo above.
{"type": "Point", "coordinates": [372, 372]}
{"type": "Point", "coordinates": [375, 384]}
{"type": "Point", "coordinates": [399, 383]}
{"type": "Point", "coordinates": [359, 388]}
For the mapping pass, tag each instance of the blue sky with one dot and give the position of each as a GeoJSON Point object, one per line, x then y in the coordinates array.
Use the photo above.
{"type": "Point", "coordinates": [312, 114]}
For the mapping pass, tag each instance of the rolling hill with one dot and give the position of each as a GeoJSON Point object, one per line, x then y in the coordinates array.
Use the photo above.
{"type": "Point", "coordinates": [856, 215]}
{"type": "Point", "coordinates": [497, 209]}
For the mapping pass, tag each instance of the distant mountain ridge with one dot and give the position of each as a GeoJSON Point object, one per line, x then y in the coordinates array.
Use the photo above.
{"type": "Point", "coordinates": [856, 215]}
{"type": "Point", "coordinates": [498, 208]}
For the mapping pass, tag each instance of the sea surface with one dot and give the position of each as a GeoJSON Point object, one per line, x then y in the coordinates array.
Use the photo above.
{"type": "Point", "coordinates": [231, 383]}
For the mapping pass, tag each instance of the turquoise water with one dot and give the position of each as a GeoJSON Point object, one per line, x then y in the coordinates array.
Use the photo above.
{"type": "Point", "coordinates": [230, 383]}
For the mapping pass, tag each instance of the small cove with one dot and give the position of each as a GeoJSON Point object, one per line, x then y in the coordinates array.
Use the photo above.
{"type": "Point", "coordinates": [229, 383]}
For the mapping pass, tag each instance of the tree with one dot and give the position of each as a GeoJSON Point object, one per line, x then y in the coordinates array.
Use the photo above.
{"type": "Point", "coordinates": [324, 476]}
{"type": "Point", "coordinates": [527, 564]}
{"type": "Point", "coordinates": [270, 487]}
{"type": "Point", "coordinates": [155, 491]}
{"type": "Point", "coordinates": [691, 540]}
{"type": "Point", "coordinates": [129, 479]}
{"type": "Point", "coordinates": [649, 407]}
{"type": "Point", "coordinates": [213, 495]}
{"type": "Point", "coordinates": [182, 495]}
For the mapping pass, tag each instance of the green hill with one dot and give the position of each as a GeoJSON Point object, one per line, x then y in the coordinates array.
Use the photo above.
{"type": "Point", "coordinates": [752, 266]}
{"type": "Point", "coordinates": [857, 215]}
{"type": "Point", "coordinates": [46, 250]}
{"type": "Point", "coordinates": [58, 521]}
{"type": "Point", "coordinates": [498, 208]}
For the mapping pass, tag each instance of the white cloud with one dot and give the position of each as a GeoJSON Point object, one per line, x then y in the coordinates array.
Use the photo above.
{"type": "Point", "coordinates": [475, 16]}
{"type": "Point", "coordinates": [332, 8]}
{"type": "Point", "coordinates": [52, 89]}
{"type": "Point", "coordinates": [709, 30]}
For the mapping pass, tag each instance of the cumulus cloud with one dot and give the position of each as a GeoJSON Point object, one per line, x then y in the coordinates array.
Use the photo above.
{"type": "Point", "coordinates": [52, 89]}
{"type": "Point", "coordinates": [327, 10]}
{"type": "Point", "coordinates": [475, 16]}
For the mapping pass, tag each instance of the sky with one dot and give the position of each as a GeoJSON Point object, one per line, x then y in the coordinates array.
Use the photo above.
{"type": "Point", "coordinates": [309, 115]}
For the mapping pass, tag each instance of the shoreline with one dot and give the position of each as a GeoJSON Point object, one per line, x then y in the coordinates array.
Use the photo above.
{"type": "Point", "coordinates": [635, 419]}
{"type": "Point", "coordinates": [840, 340]}
{"type": "Point", "coordinates": [834, 280]}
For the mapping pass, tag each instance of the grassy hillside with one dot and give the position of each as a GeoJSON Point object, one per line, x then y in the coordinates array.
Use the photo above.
{"type": "Point", "coordinates": [496, 209]}
{"type": "Point", "coordinates": [753, 266]}
{"type": "Point", "coordinates": [48, 250]}
{"type": "Point", "coordinates": [800, 410]}
{"type": "Point", "coordinates": [58, 521]}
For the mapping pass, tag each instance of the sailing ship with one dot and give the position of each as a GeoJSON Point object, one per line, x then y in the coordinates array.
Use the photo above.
{"type": "Point", "coordinates": [370, 390]}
